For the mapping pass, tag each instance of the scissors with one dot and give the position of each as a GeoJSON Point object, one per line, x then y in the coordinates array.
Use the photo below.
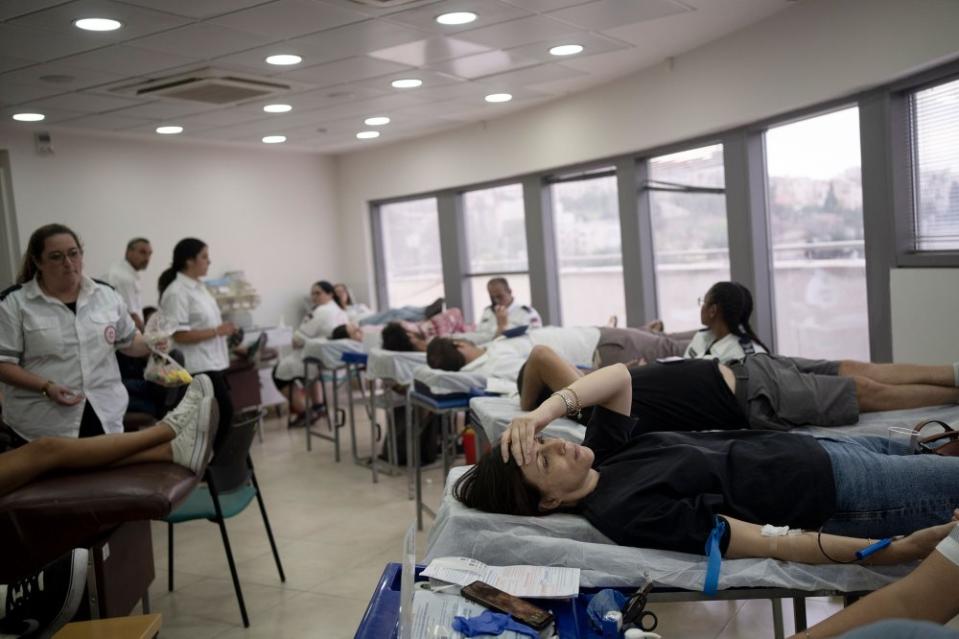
{"type": "Point", "coordinates": [634, 612]}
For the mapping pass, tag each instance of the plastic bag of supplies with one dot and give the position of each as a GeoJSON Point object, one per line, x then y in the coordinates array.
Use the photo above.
{"type": "Point", "coordinates": [161, 368]}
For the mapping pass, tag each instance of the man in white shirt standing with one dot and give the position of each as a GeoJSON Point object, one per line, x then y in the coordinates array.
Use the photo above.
{"type": "Point", "coordinates": [503, 313]}
{"type": "Point", "coordinates": [124, 276]}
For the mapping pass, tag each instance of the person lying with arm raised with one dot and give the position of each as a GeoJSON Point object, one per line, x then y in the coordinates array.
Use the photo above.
{"type": "Point", "coordinates": [668, 490]}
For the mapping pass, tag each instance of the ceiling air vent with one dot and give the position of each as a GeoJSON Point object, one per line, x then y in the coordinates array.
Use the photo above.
{"type": "Point", "coordinates": [206, 85]}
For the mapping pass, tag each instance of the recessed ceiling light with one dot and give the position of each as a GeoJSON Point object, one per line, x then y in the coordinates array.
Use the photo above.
{"type": "Point", "coordinates": [28, 117]}
{"type": "Point", "coordinates": [499, 97]}
{"type": "Point", "coordinates": [368, 135]}
{"type": "Point", "coordinates": [169, 130]}
{"type": "Point", "coordinates": [284, 59]}
{"type": "Point", "coordinates": [378, 120]}
{"type": "Point", "coordinates": [566, 49]}
{"type": "Point", "coordinates": [97, 24]}
{"type": "Point", "coordinates": [406, 83]}
{"type": "Point", "coordinates": [456, 17]}
{"type": "Point", "coordinates": [277, 108]}
{"type": "Point", "coordinates": [274, 139]}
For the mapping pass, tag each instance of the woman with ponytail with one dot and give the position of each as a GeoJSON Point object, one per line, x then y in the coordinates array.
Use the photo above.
{"type": "Point", "coordinates": [781, 392]}
{"type": "Point", "coordinates": [201, 334]}
{"type": "Point", "coordinates": [725, 312]}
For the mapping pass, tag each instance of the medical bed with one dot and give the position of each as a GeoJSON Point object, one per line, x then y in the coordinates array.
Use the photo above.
{"type": "Point", "coordinates": [569, 540]}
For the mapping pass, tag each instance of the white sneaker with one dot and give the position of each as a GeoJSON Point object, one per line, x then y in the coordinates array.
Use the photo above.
{"type": "Point", "coordinates": [191, 420]}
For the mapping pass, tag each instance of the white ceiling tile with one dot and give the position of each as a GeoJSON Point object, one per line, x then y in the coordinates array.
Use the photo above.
{"type": "Point", "coordinates": [84, 102]}
{"type": "Point", "coordinates": [9, 64]}
{"type": "Point", "coordinates": [137, 21]}
{"type": "Point", "coordinates": [429, 78]}
{"type": "Point", "coordinates": [19, 93]}
{"type": "Point", "coordinates": [81, 77]}
{"type": "Point", "coordinates": [355, 39]}
{"type": "Point", "coordinates": [348, 70]}
{"type": "Point", "coordinates": [483, 64]}
{"type": "Point", "coordinates": [53, 116]}
{"type": "Point", "coordinates": [201, 41]}
{"type": "Point", "coordinates": [613, 64]}
{"type": "Point", "coordinates": [40, 44]}
{"type": "Point", "coordinates": [487, 12]}
{"type": "Point", "coordinates": [605, 14]}
{"type": "Point", "coordinates": [592, 45]}
{"type": "Point", "coordinates": [542, 6]}
{"type": "Point", "coordinates": [129, 61]}
{"type": "Point", "coordinates": [13, 8]}
{"type": "Point", "coordinates": [532, 75]}
{"type": "Point", "coordinates": [289, 18]}
{"type": "Point", "coordinates": [164, 109]}
{"type": "Point", "coordinates": [317, 99]}
{"type": "Point", "coordinates": [434, 49]}
{"type": "Point", "coordinates": [519, 32]}
{"type": "Point", "coordinates": [107, 122]}
{"type": "Point", "coordinates": [217, 118]}
{"type": "Point", "coordinates": [197, 8]}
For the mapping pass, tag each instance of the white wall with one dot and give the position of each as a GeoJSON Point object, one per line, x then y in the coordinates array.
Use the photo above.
{"type": "Point", "coordinates": [269, 213]}
{"type": "Point", "coordinates": [814, 51]}
{"type": "Point", "coordinates": [925, 313]}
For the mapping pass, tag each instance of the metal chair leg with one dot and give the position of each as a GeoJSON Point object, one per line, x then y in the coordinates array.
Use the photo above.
{"type": "Point", "coordinates": [266, 523]}
{"type": "Point", "coordinates": [229, 552]}
{"type": "Point", "coordinates": [169, 559]}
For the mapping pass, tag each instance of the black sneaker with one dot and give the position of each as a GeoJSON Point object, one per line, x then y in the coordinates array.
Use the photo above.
{"type": "Point", "coordinates": [38, 606]}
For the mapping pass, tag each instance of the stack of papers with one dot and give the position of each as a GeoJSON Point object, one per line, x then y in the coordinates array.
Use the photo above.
{"type": "Point", "coordinates": [543, 582]}
{"type": "Point", "coordinates": [433, 615]}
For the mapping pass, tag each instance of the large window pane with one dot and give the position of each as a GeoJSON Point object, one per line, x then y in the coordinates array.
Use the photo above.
{"type": "Point", "coordinates": [589, 251]}
{"type": "Point", "coordinates": [935, 150]}
{"type": "Point", "coordinates": [815, 220]}
{"type": "Point", "coordinates": [495, 240]}
{"type": "Point", "coordinates": [411, 252]}
{"type": "Point", "coordinates": [690, 243]}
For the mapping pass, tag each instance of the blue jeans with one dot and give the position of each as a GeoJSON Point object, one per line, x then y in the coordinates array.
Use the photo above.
{"type": "Point", "coordinates": [883, 490]}
{"type": "Point", "coordinates": [902, 629]}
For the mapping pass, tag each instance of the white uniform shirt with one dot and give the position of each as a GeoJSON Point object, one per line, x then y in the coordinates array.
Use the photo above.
{"type": "Point", "coordinates": [505, 356]}
{"type": "Point", "coordinates": [126, 280]}
{"type": "Point", "coordinates": [188, 302]}
{"type": "Point", "coordinates": [356, 312]}
{"type": "Point", "coordinates": [728, 349]}
{"type": "Point", "coordinates": [321, 321]}
{"type": "Point", "coordinates": [41, 335]}
{"type": "Point", "coordinates": [517, 315]}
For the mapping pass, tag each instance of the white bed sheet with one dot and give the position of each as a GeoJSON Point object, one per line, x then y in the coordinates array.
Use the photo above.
{"type": "Point", "coordinates": [570, 540]}
{"type": "Point", "coordinates": [395, 365]}
{"type": "Point", "coordinates": [494, 415]}
{"type": "Point", "coordinates": [330, 351]}
{"type": "Point", "coordinates": [448, 382]}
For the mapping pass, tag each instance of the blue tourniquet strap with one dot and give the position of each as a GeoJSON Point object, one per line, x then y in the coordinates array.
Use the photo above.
{"type": "Point", "coordinates": [714, 557]}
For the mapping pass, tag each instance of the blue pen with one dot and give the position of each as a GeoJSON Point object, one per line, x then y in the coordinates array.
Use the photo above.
{"type": "Point", "coordinates": [873, 548]}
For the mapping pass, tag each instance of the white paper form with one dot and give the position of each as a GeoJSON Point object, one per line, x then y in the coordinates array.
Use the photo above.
{"type": "Point", "coordinates": [433, 615]}
{"type": "Point", "coordinates": [545, 582]}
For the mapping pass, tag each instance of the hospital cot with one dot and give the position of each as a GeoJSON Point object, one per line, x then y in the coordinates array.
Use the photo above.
{"type": "Point", "coordinates": [569, 540]}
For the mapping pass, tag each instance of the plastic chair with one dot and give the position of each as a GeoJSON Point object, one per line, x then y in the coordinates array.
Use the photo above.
{"type": "Point", "coordinates": [230, 487]}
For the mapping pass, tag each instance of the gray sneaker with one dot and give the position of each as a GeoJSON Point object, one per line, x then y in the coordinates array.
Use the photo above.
{"type": "Point", "coordinates": [192, 421]}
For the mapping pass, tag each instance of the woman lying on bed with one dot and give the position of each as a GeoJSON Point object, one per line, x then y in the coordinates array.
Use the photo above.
{"type": "Point", "coordinates": [669, 490]}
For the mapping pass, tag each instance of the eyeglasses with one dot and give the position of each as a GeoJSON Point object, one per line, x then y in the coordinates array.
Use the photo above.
{"type": "Point", "coordinates": [58, 257]}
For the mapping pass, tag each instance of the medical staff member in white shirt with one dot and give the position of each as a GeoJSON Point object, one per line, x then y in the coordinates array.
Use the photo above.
{"type": "Point", "coordinates": [124, 276]}
{"type": "Point", "coordinates": [725, 311]}
{"type": "Point", "coordinates": [201, 334]}
{"type": "Point", "coordinates": [503, 313]}
{"type": "Point", "coordinates": [59, 332]}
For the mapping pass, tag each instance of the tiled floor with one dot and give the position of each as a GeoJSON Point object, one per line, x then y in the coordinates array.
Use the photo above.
{"type": "Point", "coordinates": [336, 530]}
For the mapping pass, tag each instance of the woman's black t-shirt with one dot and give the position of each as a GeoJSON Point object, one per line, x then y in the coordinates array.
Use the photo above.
{"type": "Point", "coordinates": [664, 489]}
{"type": "Point", "coordinates": [685, 395]}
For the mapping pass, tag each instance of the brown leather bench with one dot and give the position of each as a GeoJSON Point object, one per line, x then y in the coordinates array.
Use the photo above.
{"type": "Point", "coordinates": [43, 520]}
